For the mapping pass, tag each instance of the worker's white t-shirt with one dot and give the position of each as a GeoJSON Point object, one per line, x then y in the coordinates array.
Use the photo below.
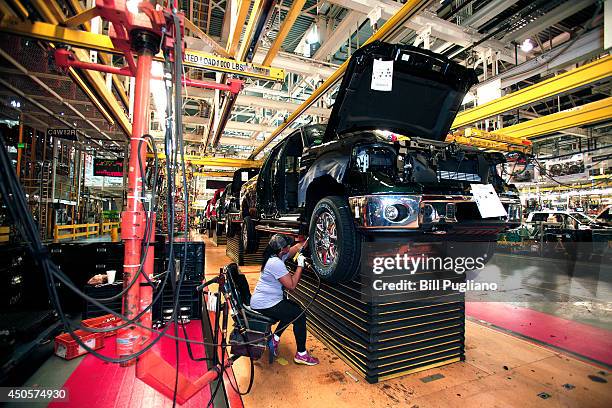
{"type": "Point", "coordinates": [269, 290]}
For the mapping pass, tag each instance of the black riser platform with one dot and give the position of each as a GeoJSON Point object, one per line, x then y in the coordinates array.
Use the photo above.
{"type": "Point", "coordinates": [383, 339]}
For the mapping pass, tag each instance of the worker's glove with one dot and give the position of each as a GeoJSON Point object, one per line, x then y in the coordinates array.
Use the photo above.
{"type": "Point", "coordinates": [300, 260]}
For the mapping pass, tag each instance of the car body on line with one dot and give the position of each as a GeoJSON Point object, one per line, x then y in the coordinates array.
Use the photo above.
{"type": "Point", "coordinates": [380, 169]}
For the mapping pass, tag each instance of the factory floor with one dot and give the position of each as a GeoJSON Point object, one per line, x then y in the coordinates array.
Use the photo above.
{"type": "Point", "coordinates": [517, 355]}
{"type": "Point", "coordinates": [507, 364]}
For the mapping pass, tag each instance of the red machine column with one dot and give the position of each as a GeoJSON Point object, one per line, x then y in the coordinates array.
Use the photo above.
{"type": "Point", "coordinates": [134, 218]}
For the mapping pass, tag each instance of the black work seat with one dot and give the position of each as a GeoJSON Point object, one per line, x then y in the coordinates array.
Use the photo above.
{"type": "Point", "coordinates": [253, 314]}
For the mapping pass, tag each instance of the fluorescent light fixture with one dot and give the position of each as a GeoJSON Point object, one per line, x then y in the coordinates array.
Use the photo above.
{"type": "Point", "coordinates": [313, 36]}
{"type": "Point", "coordinates": [527, 45]}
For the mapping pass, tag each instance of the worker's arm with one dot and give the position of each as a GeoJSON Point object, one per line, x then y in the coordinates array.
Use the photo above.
{"type": "Point", "coordinates": [294, 249]}
{"type": "Point", "coordinates": [290, 281]}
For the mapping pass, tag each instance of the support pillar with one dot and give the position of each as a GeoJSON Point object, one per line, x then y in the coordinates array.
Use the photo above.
{"type": "Point", "coordinates": [133, 219]}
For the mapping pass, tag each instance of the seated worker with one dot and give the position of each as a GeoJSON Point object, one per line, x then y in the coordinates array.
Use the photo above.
{"type": "Point", "coordinates": [268, 296]}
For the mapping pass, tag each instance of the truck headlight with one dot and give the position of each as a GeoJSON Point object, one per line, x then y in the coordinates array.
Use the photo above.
{"type": "Point", "coordinates": [385, 210]}
{"type": "Point", "coordinates": [391, 213]}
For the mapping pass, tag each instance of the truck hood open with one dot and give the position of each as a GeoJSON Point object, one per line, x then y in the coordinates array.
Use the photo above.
{"type": "Point", "coordinates": [416, 93]}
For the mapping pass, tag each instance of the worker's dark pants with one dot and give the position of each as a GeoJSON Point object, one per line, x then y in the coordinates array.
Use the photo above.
{"type": "Point", "coordinates": [286, 310]}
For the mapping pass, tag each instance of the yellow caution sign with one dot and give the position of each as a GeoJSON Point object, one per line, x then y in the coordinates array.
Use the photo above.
{"type": "Point", "coordinates": [197, 59]}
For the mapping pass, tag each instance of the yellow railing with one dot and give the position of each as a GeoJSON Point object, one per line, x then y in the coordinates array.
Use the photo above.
{"type": "Point", "coordinates": [83, 230]}
{"type": "Point", "coordinates": [108, 226]}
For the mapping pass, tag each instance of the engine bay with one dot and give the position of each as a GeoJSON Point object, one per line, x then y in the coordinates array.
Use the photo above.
{"type": "Point", "coordinates": [424, 162]}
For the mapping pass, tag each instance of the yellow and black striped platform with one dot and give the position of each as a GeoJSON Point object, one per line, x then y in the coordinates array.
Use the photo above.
{"type": "Point", "coordinates": [388, 336]}
{"type": "Point", "coordinates": [235, 250]}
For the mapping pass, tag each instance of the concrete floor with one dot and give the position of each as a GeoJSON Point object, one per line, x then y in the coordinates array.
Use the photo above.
{"type": "Point", "coordinates": [501, 370]}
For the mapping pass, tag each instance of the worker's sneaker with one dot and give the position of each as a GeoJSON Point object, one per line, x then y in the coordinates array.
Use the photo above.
{"type": "Point", "coordinates": [306, 359]}
{"type": "Point", "coordinates": [274, 343]}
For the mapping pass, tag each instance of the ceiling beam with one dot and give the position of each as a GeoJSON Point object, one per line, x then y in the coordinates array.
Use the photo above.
{"type": "Point", "coordinates": [258, 102]}
{"type": "Point", "coordinates": [580, 116]}
{"type": "Point", "coordinates": [555, 15]}
{"type": "Point", "coordinates": [236, 28]}
{"type": "Point", "coordinates": [290, 17]}
{"type": "Point", "coordinates": [585, 47]}
{"type": "Point", "coordinates": [340, 34]}
{"type": "Point", "coordinates": [214, 46]}
{"type": "Point", "coordinates": [388, 29]}
{"type": "Point", "coordinates": [487, 12]}
{"type": "Point", "coordinates": [440, 28]}
{"type": "Point", "coordinates": [586, 74]}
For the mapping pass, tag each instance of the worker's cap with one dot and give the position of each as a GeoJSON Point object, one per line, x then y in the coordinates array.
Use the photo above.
{"type": "Point", "coordinates": [279, 241]}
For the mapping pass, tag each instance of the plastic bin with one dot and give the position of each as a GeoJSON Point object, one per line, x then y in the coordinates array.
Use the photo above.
{"type": "Point", "coordinates": [67, 348]}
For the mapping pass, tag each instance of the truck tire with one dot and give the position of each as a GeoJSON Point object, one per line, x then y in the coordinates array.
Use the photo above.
{"type": "Point", "coordinates": [248, 235]}
{"type": "Point", "coordinates": [335, 245]}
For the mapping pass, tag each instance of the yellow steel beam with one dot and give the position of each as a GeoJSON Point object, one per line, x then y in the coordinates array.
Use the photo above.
{"type": "Point", "coordinates": [15, 6]}
{"type": "Point", "coordinates": [243, 11]}
{"type": "Point", "coordinates": [483, 144]}
{"type": "Point", "coordinates": [409, 9]}
{"type": "Point", "coordinates": [197, 59]}
{"type": "Point", "coordinates": [578, 186]}
{"type": "Point", "coordinates": [79, 81]}
{"type": "Point", "coordinates": [216, 161]}
{"type": "Point", "coordinates": [202, 35]}
{"type": "Point", "coordinates": [54, 33]}
{"type": "Point", "coordinates": [500, 137]}
{"type": "Point", "coordinates": [586, 74]}
{"type": "Point", "coordinates": [81, 18]}
{"type": "Point", "coordinates": [213, 174]}
{"type": "Point", "coordinates": [248, 32]}
{"type": "Point", "coordinates": [54, 15]}
{"type": "Point", "coordinates": [79, 10]}
{"type": "Point", "coordinates": [99, 42]}
{"type": "Point", "coordinates": [582, 115]}
{"type": "Point", "coordinates": [292, 15]}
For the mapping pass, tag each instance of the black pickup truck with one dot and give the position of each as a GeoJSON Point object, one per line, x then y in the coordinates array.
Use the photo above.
{"type": "Point", "coordinates": [228, 211]}
{"type": "Point", "coordinates": [380, 169]}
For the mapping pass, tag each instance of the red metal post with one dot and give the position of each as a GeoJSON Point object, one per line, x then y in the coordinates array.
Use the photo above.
{"type": "Point", "coordinates": [133, 220]}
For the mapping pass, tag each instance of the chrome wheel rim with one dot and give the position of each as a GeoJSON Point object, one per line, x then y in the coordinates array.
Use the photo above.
{"type": "Point", "coordinates": [326, 238]}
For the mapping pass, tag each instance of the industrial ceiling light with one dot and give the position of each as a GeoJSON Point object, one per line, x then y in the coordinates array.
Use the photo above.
{"type": "Point", "coordinates": [527, 45]}
{"type": "Point", "coordinates": [313, 36]}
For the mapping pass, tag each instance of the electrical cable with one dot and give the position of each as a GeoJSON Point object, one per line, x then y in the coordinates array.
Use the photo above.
{"type": "Point", "coordinates": [16, 202]}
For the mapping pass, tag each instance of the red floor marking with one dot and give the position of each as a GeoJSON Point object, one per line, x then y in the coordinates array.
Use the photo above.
{"type": "Point", "coordinates": [95, 383]}
{"type": "Point", "coordinates": [582, 339]}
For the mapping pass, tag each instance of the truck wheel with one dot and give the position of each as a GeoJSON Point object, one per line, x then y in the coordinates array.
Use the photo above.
{"type": "Point", "coordinates": [249, 239]}
{"type": "Point", "coordinates": [334, 242]}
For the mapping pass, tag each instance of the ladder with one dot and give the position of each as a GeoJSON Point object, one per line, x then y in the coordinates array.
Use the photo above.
{"type": "Point", "coordinates": [45, 195]}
